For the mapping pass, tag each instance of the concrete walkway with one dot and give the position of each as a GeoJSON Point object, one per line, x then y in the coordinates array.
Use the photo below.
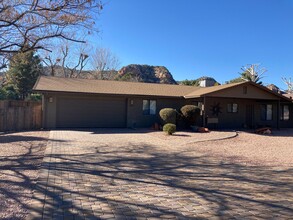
{"type": "Point", "coordinates": [118, 174]}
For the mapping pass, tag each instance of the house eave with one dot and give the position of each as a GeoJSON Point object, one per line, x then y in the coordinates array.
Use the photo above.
{"type": "Point", "coordinates": [108, 94]}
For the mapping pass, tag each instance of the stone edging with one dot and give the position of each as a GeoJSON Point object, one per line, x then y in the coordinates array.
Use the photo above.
{"type": "Point", "coordinates": [235, 134]}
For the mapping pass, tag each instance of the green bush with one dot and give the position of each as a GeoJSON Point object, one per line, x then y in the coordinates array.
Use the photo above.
{"type": "Point", "coordinates": [2, 94]}
{"type": "Point", "coordinates": [169, 128]}
{"type": "Point", "coordinates": [8, 92]}
{"type": "Point", "coordinates": [190, 114]}
{"type": "Point", "coordinates": [34, 97]}
{"type": "Point", "coordinates": [180, 121]}
{"type": "Point", "coordinates": [168, 115]}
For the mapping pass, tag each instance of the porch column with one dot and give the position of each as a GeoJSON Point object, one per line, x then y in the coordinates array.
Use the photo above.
{"type": "Point", "coordinates": [126, 109]}
{"type": "Point", "coordinates": [278, 113]}
{"type": "Point", "coordinates": [204, 112]}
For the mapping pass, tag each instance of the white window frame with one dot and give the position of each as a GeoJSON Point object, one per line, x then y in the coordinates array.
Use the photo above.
{"type": "Point", "coordinates": [285, 115]}
{"type": "Point", "coordinates": [149, 107]}
{"type": "Point", "coordinates": [268, 112]}
{"type": "Point", "coordinates": [232, 107]}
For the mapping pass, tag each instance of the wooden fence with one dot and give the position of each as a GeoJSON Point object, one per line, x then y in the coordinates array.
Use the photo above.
{"type": "Point", "coordinates": [20, 115]}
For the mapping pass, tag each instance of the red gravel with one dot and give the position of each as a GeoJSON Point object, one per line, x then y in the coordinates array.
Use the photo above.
{"type": "Point", "coordinates": [249, 148]}
{"type": "Point", "coordinates": [20, 157]}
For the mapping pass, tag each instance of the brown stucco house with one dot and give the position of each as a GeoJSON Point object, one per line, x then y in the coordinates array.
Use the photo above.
{"type": "Point", "coordinates": [83, 103]}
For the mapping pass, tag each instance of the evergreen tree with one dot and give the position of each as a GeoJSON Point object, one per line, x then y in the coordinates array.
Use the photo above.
{"type": "Point", "coordinates": [24, 69]}
{"type": "Point", "coordinates": [8, 92]}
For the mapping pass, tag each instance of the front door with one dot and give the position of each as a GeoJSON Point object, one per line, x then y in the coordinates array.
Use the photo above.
{"type": "Point", "coordinates": [250, 116]}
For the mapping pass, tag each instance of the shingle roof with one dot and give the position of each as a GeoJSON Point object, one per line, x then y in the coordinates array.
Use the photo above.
{"type": "Point", "coordinates": [56, 84]}
{"type": "Point", "coordinates": [288, 95]}
{"type": "Point", "coordinates": [207, 90]}
{"type": "Point", "coordinates": [91, 86]}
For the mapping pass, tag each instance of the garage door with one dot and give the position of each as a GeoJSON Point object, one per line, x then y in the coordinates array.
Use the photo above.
{"type": "Point", "coordinates": [91, 112]}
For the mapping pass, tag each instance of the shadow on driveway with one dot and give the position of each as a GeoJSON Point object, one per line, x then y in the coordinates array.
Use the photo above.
{"type": "Point", "coordinates": [137, 180]}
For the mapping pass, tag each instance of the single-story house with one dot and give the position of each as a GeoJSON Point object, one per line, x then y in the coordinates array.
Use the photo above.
{"type": "Point", "coordinates": [77, 103]}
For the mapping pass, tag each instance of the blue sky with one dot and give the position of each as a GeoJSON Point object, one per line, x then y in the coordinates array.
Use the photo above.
{"type": "Point", "coordinates": [194, 38]}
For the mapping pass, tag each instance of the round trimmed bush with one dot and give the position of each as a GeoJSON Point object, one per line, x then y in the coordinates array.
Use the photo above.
{"type": "Point", "coordinates": [190, 113]}
{"type": "Point", "coordinates": [169, 128]}
{"type": "Point", "coordinates": [168, 115]}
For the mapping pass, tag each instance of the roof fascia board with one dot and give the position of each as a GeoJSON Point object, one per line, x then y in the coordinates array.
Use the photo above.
{"type": "Point", "coordinates": [109, 94]}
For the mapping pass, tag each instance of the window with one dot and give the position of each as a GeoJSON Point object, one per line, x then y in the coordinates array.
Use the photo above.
{"type": "Point", "coordinates": [149, 107]}
{"type": "Point", "coordinates": [267, 112]}
{"type": "Point", "coordinates": [285, 112]}
{"type": "Point", "coordinates": [232, 107]}
{"type": "Point", "coordinates": [153, 105]}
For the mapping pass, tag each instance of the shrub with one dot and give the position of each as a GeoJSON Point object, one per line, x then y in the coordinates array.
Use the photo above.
{"type": "Point", "coordinates": [2, 94]}
{"type": "Point", "coordinates": [168, 115]}
{"type": "Point", "coordinates": [169, 128]}
{"type": "Point", "coordinates": [8, 92]}
{"type": "Point", "coordinates": [190, 114]}
{"type": "Point", "coordinates": [34, 97]}
{"type": "Point", "coordinates": [180, 121]}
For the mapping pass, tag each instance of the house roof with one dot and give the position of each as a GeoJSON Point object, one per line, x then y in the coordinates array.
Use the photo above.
{"type": "Point", "coordinates": [288, 95]}
{"type": "Point", "coordinates": [213, 89]}
{"type": "Point", "coordinates": [90, 86]}
{"type": "Point", "coordinates": [270, 91]}
{"type": "Point", "coordinates": [207, 90]}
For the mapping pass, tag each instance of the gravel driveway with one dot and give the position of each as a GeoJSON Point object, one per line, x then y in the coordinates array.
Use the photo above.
{"type": "Point", "coordinates": [275, 150]}
{"type": "Point", "coordinates": [119, 174]}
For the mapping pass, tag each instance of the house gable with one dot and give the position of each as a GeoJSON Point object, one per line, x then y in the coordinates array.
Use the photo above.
{"type": "Point", "coordinates": [244, 91]}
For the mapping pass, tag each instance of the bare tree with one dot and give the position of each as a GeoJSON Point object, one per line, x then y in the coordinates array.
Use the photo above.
{"type": "Point", "coordinates": [105, 62]}
{"type": "Point", "coordinates": [51, 63]}
{"type": "Point", "coordinates": [67, 61]}
{"type": "Point", "coordinates": [64, 51]}
{"type": "Point", "coordinates": [31, 24]}
{"type": "Point", "coordinates": [77, 69]}
{"type": "Point", "coordinates": [253, 72]}
{"type": "Point", "coordinates": [289, 84]}
{"type": "Point", "coordinates": [4, 61]}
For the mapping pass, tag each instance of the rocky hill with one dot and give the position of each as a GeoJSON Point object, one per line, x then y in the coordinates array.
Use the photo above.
{"type": "Point", "coordinates": [274, 88]}
{"type": "Point", "coordinates": [59, 72]}
{"type": "Point", "coordinates": [132, 73]}
{"type": "Point", "coordinates": [145, 73]}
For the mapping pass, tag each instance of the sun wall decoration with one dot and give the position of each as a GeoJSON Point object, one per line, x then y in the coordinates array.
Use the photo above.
{"type": "Point", "coordinates": [216, 109]}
